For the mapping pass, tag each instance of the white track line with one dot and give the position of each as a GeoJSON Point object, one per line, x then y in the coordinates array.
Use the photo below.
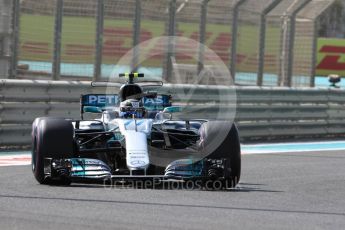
{"type": "Point", "coordinates": [296, 143]}
{"type": "Point", "coordinates": [15, 160]}
{"type": "Point", "coordinates": [258, 152]}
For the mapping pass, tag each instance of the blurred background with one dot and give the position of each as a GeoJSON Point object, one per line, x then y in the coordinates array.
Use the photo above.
{"type": "Point", "coordinates": [287, 59]}
{"type": "Point", "coordinates": [263, 42]}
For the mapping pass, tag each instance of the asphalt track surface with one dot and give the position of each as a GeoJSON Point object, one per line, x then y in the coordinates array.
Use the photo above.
{"type": "Point", "coordinates": [277, 191]}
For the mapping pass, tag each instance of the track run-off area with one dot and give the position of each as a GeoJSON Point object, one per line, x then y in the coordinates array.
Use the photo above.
{"type": "Point", "coordinates": [283, 186]}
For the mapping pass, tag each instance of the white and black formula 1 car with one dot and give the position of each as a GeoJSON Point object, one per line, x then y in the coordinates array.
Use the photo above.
{"type": "Point", "coordinates": [134, 138]}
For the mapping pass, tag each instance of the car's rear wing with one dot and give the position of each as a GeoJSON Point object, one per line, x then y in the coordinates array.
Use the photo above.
{"type": "Point", "coordinates": [97, 103]}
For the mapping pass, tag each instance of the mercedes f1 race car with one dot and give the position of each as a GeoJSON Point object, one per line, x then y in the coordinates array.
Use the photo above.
{"type": "Point", "coordinates": [134, 138]}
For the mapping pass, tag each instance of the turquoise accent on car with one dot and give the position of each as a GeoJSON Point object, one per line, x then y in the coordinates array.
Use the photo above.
{"type": "Point", "coordinates": [92, 109]}
{"type": "Point", "coordinates": [118, 136]}
{"type": "Point", "coordinates": [185, 167]}
{"type": "Point", "coordinates": [91, 168]}
{"type": "Point", "coordinates": [173, 109]}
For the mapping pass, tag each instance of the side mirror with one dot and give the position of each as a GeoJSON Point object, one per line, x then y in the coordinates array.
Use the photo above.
{"type": "Point", "coordinates": [334, 79]}
{"type": "Point", "coordinates": [161, 116]}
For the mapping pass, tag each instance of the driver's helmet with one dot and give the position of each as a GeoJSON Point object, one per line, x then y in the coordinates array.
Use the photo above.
{"type": "Point", "coordinates": [132, 108]}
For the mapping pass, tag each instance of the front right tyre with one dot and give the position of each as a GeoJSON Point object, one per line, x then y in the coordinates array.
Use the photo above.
{"type": "Point", "coordinates": [51, 138]}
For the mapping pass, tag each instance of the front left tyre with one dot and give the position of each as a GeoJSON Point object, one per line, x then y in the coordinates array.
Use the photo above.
{"type": "Point", "coordinates": [220, 140]}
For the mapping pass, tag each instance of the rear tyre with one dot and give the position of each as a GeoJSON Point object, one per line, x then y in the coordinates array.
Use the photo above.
{"type": "Point", "coordinates": [225, 135]}
{"type": "Point", "coordinates": [51, 138]}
